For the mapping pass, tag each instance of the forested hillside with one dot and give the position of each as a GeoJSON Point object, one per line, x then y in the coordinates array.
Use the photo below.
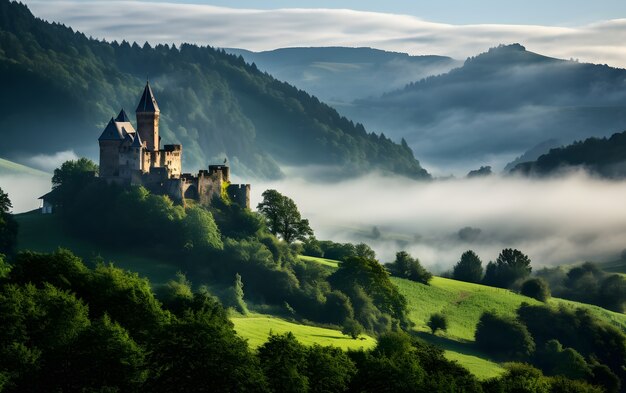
{"type": "Point", "coordinates": [340, 75]}
{"type": "Point", "coordinates": [60, 88]}
{"type": "Point", "coordinates": [605, 157]}
{"type": "Point", "coordinates": [498, 105]}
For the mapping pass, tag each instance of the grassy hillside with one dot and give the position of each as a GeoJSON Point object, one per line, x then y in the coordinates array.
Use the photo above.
{"type": "Point", "coordinates": [257, 327]}
{"type": "Point", "coordinates": [11, 168]}
{"type": "Point", "coordinates": [463, 303]}
{"type": "Point", "coordinates": [322, 261]}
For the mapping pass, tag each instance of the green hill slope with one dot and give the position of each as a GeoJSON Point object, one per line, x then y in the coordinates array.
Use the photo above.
{"type": "Point", "coordinates": [257, 327]}
{"type": "Point", "coordinates": [12, 168]}
{"type": "Point", "coordinates": [213, 103]}
{"type": "Point", "coordinates": [463, 303]}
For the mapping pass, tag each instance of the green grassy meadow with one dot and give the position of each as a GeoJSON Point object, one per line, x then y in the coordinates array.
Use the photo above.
{"type": "Point", "coordinates": [321, 261]}
{"type": "Point", "coordinates": [11, 168]}
{"type": "Point", "coordinates": [463, 303]}
{"type": "Point", "coordinates": [257, 327]}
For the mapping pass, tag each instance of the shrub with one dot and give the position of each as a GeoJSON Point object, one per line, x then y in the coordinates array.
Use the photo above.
{"type": "Point", "coordinates": [504, 338]}
{"type": "Point", "coordinates": [537, 288]}
{"type": "Point", "coordinates": [436, 322]}
{"type": "Point", "coordinates": [408, 267]}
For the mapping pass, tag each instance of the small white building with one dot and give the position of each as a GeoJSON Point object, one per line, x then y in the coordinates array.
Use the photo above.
{"type": "Point", "coordinates": [47, 202]}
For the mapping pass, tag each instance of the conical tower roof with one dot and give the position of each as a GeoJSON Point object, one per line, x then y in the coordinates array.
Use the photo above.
{"type": "Point", "coordinates": [111, 132]}
{"type": "Point", "coordinates": [122, 117]}
{"type": "Point", "coordinates": [137, 141]}
{"type": "Point", "coordinates": [148, 102]}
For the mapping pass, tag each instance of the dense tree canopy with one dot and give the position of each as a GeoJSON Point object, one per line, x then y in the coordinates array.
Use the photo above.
{"type": "Point", "coordinates": [406, 266]}
{"type": "Point", "coordinates": [587, 283]}
{"type": "Point", "coordinates": [469, 268]}
{"type": "Point", "coordinates": [510, 266]}
{"type": "Point", "coordinates": [8, 225]}
{"type": "Point", "coordinates": [377, 302]}
{"type": "Point", "coordinates": [504, 337]}
{"type": "Point", "coordinates": [5, 202]}
{"type": "Point", "coordinates": [283, 218]}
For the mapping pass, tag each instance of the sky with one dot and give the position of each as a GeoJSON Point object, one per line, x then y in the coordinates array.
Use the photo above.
{"type": "Point", "coordinates": [552, 12]}
{"type": "Point", "coordinates": [584, 30]}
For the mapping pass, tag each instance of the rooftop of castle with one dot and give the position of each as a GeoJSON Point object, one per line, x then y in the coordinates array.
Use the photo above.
{"type": "Point", "coordinates": [148, 103]}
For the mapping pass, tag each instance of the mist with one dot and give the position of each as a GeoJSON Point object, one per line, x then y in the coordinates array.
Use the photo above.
{"type": "Point", "coordinates": [562, 220]}
{"type": "Point", "coordinates": [24, 190]}
{"type": "Point", "coordinates": [555, 221]}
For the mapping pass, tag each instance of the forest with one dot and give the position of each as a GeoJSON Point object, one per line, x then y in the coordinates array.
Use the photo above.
{"type": "Point", "coordinates": [76, 326]}
{"type": "Point", "coordinates": [214, 103]}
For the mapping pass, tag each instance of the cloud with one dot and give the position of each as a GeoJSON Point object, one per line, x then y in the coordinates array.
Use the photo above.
{"type": "Point", "coordinates": [49, 162]}
{"type": "Point", "coordinates": [554, 221]}
{"type": "Point", "coordinates": [600, 42]}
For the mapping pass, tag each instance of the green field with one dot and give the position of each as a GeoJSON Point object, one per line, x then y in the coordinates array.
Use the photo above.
{"type": "Point", "coordinates": [11, 168]}
{"type": "Point", "coordinates": [321, 261]}
{"type": "Point", "coordinates": [257, 327]}
{"type": "Point", "coordinates": [463, 303]}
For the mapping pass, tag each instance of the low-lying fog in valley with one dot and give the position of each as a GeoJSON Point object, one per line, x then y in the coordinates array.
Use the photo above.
{"type": "Point", "coordinates": [554, 221]}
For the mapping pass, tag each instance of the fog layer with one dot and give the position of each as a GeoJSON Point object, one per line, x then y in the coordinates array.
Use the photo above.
{"type": "Point", "coordinates": [554, 221]}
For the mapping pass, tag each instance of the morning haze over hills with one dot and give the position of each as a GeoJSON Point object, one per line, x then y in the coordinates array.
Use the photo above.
{"type": "Point", "coordinates": [493, 107]}
{"type": "Point", "coordinates": [348, 260]}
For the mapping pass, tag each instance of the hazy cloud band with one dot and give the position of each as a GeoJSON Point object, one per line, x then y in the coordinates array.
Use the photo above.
{"type": "Point", "coordinates": [600, 42]}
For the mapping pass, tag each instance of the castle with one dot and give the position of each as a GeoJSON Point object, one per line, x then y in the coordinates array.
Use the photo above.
{"type": "Point", "coordinates": [135, 157]}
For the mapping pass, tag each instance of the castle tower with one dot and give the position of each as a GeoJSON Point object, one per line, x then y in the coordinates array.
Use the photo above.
{"type": "Point", "coordinates": [148, 119]}
{"type": "Point", "coordinates": [110, 142]}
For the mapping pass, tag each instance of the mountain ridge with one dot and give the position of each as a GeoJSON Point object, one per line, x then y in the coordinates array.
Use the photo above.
{"type": "Point", "coordinates": [213, 103]}
{"type": "Point", "coordinates": [497, 105]}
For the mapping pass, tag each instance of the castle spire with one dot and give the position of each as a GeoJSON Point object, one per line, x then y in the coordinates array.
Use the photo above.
{"type": "Point", "coordinates": [148, 114]}
{"type": "Point", "coordinates": [122, 117]}
{"type": "Point", "coordinates": [148, 103]}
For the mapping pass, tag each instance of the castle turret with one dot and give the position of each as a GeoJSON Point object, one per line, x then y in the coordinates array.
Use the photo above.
{"type": "Point", "coordinates": [110, 141]}
{"type": "Point", "coordinates": [148, 119]}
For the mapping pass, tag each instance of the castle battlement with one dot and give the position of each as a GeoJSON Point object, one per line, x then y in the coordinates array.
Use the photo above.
{"type": "Point", "coordinates": [134, 157]}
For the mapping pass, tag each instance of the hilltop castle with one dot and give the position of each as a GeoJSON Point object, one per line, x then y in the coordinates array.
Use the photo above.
{"type": "Point", "coordinates": [135, 157]}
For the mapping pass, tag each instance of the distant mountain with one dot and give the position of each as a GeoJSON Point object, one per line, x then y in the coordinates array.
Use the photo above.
{"type": "Point", "coordinates": [533, 153]}
{"type": "Point", "coordinates": [60, 88]}
{"type": "Point", "coordinates": [496, 105]}
{"type": "Point", "coordinates": [340, 75]}
{"type": "Point", "coordinates": [605, 157]}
